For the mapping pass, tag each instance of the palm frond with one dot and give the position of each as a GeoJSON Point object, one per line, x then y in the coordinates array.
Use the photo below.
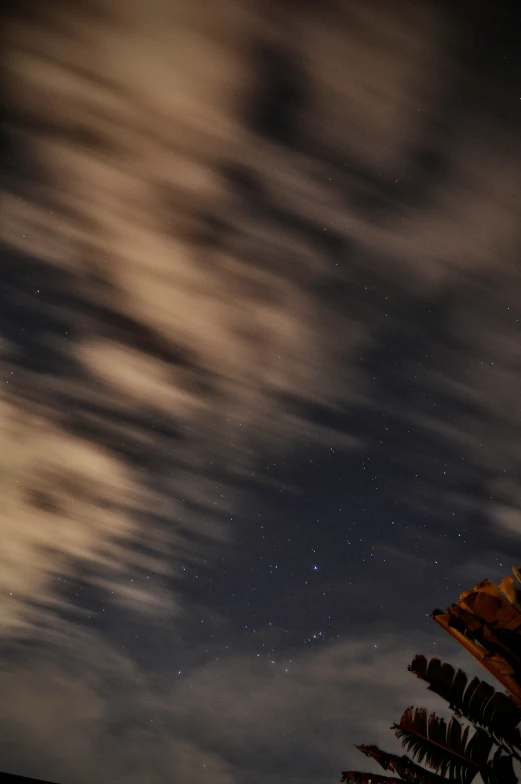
{"type": "Point", "coordinates": [476, 700]}
{"type": "Point", "coordinates": [471, 633]}
{"type": "Point", "coordinates": [445, 748]}
{"type": "Point", "coordinates": [403, 766]}
{"type": "Point", "coordinates": [511, 592]}
{"type": "Point", "coordinates": [501, 770]}
{"type": "Point", "coordinates": [356, 777]}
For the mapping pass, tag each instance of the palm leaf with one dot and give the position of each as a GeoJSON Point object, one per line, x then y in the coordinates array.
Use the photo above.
{"type": "Point", "coordinates": [476, 700]}
{"type": "Point", "coordinates": [468, 631]}
{"type": "Point", "coordinates": [512, 593]}
{"type": "Point", "coordinates": [445, 748]}
{"type": "Point", "coordinates": [501, 770]}
{"type": "Point", "coordinates": [355, 777]}
{"type": "Point", "coordinates": [403, 766]}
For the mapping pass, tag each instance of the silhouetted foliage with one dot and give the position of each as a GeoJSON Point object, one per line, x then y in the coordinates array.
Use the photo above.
{"type": "Point", "coordinates": [487, 622]}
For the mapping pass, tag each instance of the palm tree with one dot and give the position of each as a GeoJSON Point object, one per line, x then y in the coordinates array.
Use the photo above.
{"type": "Point", "coordinates": [487, 622]}
{"type": "Point", "coordinates": [479, 703]}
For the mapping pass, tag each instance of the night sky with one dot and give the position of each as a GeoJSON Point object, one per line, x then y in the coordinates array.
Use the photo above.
{"type": "Point", "coordinates": [260, 302]}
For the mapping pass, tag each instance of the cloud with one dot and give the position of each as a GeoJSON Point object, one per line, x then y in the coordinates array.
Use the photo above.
{"type": "Point", "coordinates": [85, 712]}
{"type": "Point", "coordinates": [171, 365]}
{"type": "Point", "coordinates": [63, 500]}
